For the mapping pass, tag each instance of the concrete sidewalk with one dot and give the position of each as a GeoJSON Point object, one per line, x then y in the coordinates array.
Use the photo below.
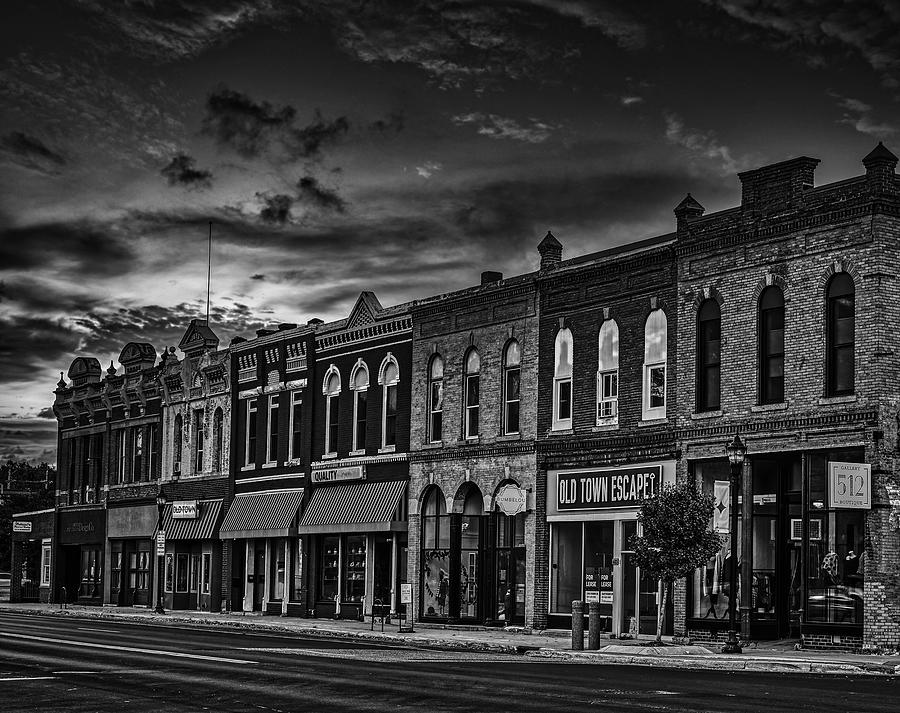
{"type": "Point", "coordinates": [550, 645]}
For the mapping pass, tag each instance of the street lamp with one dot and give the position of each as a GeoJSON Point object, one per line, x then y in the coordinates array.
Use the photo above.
{"type": "Point", "coordinates": [160, 507]}
{"type": "Point", "coordinates": [736, 451]}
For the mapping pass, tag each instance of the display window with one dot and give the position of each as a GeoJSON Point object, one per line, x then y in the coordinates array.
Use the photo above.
{"type": "Point", "coordinates": [354, 588]}
{"type": "Point", "coordinates": [181, 572]}
{"type": "Point", "coordinates": [207, 573]}
{"type": "Point", "coordinates": [435, 555]}
{"type": "Point", "coordinates": [329, 567]}
{"type": "Point", "coordinates": [169, 578]}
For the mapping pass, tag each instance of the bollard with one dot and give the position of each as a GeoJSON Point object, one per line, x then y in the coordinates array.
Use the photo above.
{"type": "Point", "coordinates": [577, 625]}
{"type": "Point", "coordinates": [594, 625]}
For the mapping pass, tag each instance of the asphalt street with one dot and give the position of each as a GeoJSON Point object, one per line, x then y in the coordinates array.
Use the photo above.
{"type": "Point", "coordinates": [51, 664]}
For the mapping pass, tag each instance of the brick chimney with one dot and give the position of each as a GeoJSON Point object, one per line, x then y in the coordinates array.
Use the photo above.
{"type": "Point", "coordinates": [880, 165]}
{"type": "Point", "coordinates": [687, 211]}
{"type": "Point", "coordinates": [551, 251]}
{"type": "Point", "coordinates": [777, 188]}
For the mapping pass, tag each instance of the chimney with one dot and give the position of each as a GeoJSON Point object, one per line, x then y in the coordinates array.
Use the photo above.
{"type": "Point", "coordinates": [550, 250]}
{"type": "Point", "coordinates": [264, 332]}
{"type": "Point", "coordinates": [880, 165]}
{"type": "Point", "coordinates": [489, 276]}
{"type": "Point", "coordinates": [286, 325]}
{"type": "Point", "coordinates": [314, 322]}
{"type": "Point", "coordinates": [778, 187]}
{"type": "Point", "coordinates": [237, 340]}
{"type": "Point", "coordinates": [687, 212]}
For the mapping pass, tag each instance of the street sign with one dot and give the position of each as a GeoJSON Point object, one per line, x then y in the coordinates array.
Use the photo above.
{"type": "Point", "coordinates": [161, 542]}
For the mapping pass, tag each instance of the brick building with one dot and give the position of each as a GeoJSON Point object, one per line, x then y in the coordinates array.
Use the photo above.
{"type": "Point", "coordinates": [787, 331]}
{"type": "Point", "coordinates": [196, 477]}
{"type": "Point", "coordinates": [605, 424]}
{"type": "Point", "coordinates": [474, 397]}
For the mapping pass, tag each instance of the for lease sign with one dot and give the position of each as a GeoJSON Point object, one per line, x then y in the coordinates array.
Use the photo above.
{"type": "Point", "coordinates": [613, 487]}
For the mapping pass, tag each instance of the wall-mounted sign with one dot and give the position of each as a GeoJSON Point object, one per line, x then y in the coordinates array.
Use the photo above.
{"type": "Point", "coordinates": [184, 510]}
{"type": "Point", "coordinates": [344, 472]}
{"type": "Point", "coordinates": [850, 485]}
{"type": "Point", "coordinates": [612, 487]}
{"type": "Point", "coordinates": [511, 499]}
{"type": "Point", "coordinates": [606, 585]}
{"type": "Point", "coordinates": [161, 542]}
{"type": "Point", "coordinates": [21, 526]}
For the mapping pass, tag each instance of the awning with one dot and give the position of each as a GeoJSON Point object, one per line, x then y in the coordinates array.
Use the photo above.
{"type": "Point", "coordinates": [262, 515]}
{"type": "Point", "coordinates": [354, 507]}
{"type": "Point", "coordinates": [202, 527]}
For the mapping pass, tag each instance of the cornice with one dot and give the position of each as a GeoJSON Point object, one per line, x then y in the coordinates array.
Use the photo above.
{"type": "Point", "coordinates": [464, 452]}
{"type": "Point", "coordinates": [370, 332]}
{"type": "Point", "coordinates": [858, 417]}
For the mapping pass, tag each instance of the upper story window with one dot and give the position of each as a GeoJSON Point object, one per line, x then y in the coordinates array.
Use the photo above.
{"type": "Point", "coordinates": [654, 382]}
{"type": "Point", "coordinates": [562, 380]}
{"type": "Point", "coordinates": [389, 378]}
{"type": "Point", "coordinates": [771, 346]}
{"type": "Point", "coordinates": [331, 387]}
{"type": "Point", "coordinates": [709, 338]}
{"type": "Point", "coordinates": [152, 452]}
{"type": "Point", "coordinates": [121, 462]}
{"type": "Point", "coordinates": [359, 383]}
{"type": "Point", "coordinates": [250, 433]}
{"type": "Point", "coordinates": [841, 328]}
{"type": "Point", "coordinates": [218, 438]}
{"type": "Point", "coordinates": [177, 435]}
{"type": "Point", "coordinates": [272, 440]}
{"type": "Point", "coordinates": [296, 424]}
{"type": "Point", "coordinates": [436, 399]}
{"type": "Point", "coordinates": [472, 389]}
{"type": "Point", "coordinates": [199, 440]}
{"type": "Point", "coordinates": [137, 453]}
{"type": "Point", "coordinates": [512, 371]}
{"type": "Point", "coordinates": [608, 373]}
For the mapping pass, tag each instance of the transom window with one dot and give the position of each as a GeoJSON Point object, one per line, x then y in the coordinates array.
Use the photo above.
{"type": "Point", "coordinates": [562, 381]}
{"type": "Point", "coordinates": [472, 388]}
{"type": "Point", "coordinates": [436, 399]}
{"type": "Point", "coordinates": [709, 338]}
{"type": "Point", "coordinates": [512, 372]}
{"type": "Point", "coordinates": [608, 373]}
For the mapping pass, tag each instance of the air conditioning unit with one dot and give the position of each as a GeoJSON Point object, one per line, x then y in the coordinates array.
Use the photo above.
{"type": "Point", "coordinates": [176, 467]}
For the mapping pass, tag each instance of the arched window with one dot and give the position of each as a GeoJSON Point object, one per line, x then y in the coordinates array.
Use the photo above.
{"type": "Point", "coordinates": [217, 440]}
{"type": "Point", "coordinates": [709, 337]}
{"type": "Point", "coordinates": [771, 346]}
{"type": "Point", "coordinates": [331, 387]}
{"type": "Point", "coordinates": [389, 378]}
{"type": "Point", "coordinates": [608, 373]}
{"type": "Point", "coordinates": [841, 327]}
{"type": "Point", "coordinates": [472, 391]}
{"type": "Point", "coordinates": [435, 554]}
{"type": "Point", "coordinates": [359, 383]}
{"type": "Point", "coordinates": [436, 399]}
{"type": "Point", "coordinates": [562, 381]}
{"type": "Point", "coordinates": [469, 554]}
{"type": "Point", "coordinates": [177, 435]}
{"type": "Point", "coordinates": [512, 384]}
{"type": "Point", "coordinates": [654, 386]}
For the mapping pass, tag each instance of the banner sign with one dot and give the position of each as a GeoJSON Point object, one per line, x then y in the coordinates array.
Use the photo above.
{"type": "Point", "coordinates": [613, 487]}
{"type": "Point", "coordinates": [850, 485]}
{"type": "Point", "coordinates": [346, 472]}
{"type": "Point", "coordinates": [184, 510]}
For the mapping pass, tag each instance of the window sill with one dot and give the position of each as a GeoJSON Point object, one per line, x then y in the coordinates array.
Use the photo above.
{"type": "Point", "coordinates": [388, 449]}
{"type": "Point", "coordinates": [510, 437]}
{"type": "Point", "coordinates": [294, 461]}
{"type": "Point", "coordinates": [270, 465]}
{"type": "Point", "coordinates": [329, 456]}
{"type": "Point", "coordinates": [763, 408]}
{"type": "Point", "coordinates": [470, 439]}
{"type": "Point", "coordinates": [432, 445]}
{"type": "Point", "coordinates": [653, 422]}
{"type": "Point", "coordinates": [561, 431]}
{"type": "Point", "coordinates": [249, 466]}
{"type": "Point", "coordinates": [700, 415]}
{"type": "Point", "coordinates": [358, 452]}
{"type": "Point", "coordinates": [835, 400]}
{"type": "Point", "coordinates": [608, 426]}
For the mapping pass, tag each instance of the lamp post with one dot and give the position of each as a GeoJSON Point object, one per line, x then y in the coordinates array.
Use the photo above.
{"type": "Point", "coordinates": [736, 451]}
{"type": "Point", "coordinates": [160, 507]}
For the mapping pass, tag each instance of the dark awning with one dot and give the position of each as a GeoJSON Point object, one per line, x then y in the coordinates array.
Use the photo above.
{"type": "Point", "coordinates": [354, 507]}
{"type": "Point", "coordinates": [262, 515]}
{"type": "Point", "coordinates": [202, 527]}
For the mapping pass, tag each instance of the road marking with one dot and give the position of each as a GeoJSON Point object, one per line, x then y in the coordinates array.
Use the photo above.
{"type": "Point", "coordinates": [79, 673]}
{"type": "Point", "coordinates": [105, 631]}
{"type": "Point", "coordinates": [27, 678]}
{"type": "Point", "coordinates": [156, 652]}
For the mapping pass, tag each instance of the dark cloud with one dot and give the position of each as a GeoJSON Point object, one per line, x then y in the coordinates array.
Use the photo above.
{"type": "Point", "coordinates": [254, 128]}
{"type": "Point", "coordinates": [276, 208]}
{"type": "Point", "coordinates": [33, 343]}
{"type": "Point", "coordinates": [31, 152]}
{"type": "Point", "coordinates": [258, 276]}
{"type": "Point", "coordinates": [394, 122]}
{"type": "Point", "coordinates": [311, 192]}
{"type": "Point", "coordinates": [182, 171]}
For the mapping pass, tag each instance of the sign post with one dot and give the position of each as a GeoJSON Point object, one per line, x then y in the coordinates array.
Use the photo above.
{"type": "Point", "coordinates": [161, 543]}
{"type": "Point", "coordinates": [406, 598]}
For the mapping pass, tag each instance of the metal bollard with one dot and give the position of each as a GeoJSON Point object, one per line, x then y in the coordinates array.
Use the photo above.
{"type": "Point", "coordinates": [594, 625]}
{"type": "Point", "coordinates": [577, 625]}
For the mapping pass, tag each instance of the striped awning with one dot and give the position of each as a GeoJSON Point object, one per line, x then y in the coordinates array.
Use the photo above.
{"type": "Point", "coordinates": [262, 515]}
{"type": "Point", "coordinates": [354, 507]}
{"type": "Point", "coordinates": [203, 527]}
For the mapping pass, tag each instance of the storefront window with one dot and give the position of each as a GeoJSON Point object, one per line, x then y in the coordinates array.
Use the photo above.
{"type": "Point", "coordinates": [330, 553]}
{"type": "Point", "coordinates": [354, 568]}
{"type": "Point", "coordinates": [469, 554]}
{"type": "Point", "coordinates": [115, 580]}
{"type": "Point", "coordinates": [45, 565]}
{"type": "Point", "coordinates": [435, 554]}
{"type": "Point", "coordinates": [297, 560]}
{"type": "Point", "coordinates": [91, 573]}
{"type": "Point", "coordinates": [565, 575]}
{"type": "Point", "coordinates": [195, 573]}
{"type": "Point", "coordinates": [207, 571]}
{"type": "Point", "coordinates": [278, 570]}
{"type": "Point", "coordinates": [181, 572]}
{"type": "Point", "coordinates": [170, 572]}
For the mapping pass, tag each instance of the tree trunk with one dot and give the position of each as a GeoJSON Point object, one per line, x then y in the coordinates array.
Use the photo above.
{"type": "Point", "coordinates": [661, 597]}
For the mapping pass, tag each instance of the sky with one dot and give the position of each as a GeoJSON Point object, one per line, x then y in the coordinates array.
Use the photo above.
{"type": "Point", "coordinates": [399, 147]}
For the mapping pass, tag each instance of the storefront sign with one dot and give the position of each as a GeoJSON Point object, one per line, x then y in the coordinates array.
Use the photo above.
{"type": "Point", "coordinates": [21, 526]}
{"type": "Point", "coordinates": [82, 526]}
{"type": "Point", "coordinates": [161, 542]}
{"type": "Point", "coordinates": [346, 472]}
{"type": "Point", "coordinates": [511, 499]}
{"type": "Point", "coordinates": [406, 594]}
{"type": "Point", "coordinates": [850, 485]}
{"type": "Point", "coordinates": [613, 487]}
{"type": "Point", "coordinates": [606, 585]}
{"type": "Point", "coordinates": [184, 510]}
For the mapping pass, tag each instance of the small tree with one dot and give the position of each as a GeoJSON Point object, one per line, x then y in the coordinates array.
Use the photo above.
{"type": "Point", "coordinates": [676, 538]}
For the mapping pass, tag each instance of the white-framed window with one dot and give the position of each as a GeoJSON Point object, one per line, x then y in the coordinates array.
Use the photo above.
{"type": "Point", "coordinates": [562, 381]}
{"type": "Point", "coordinates": [250, 433]}
{"type": "Point", "coordinates": [436, 399]}
{"type": "Point", "coordinates": [331, 388]}
{"type": "Point", "coordinates": [472, 392]}
{"type": "Point", "coordinates": [199, 440]}
{"type": "Point", "coordinates": [654, 383]}
{"type": "Point", "coordinates": [389, 378]}
{"type": "Point", "coordinates": [608, 374]}
{"type": "Point", "coordinates": [296, 424]}
{"type": "Point", "coordinates": [120, 456]}
{"type": "Point", "coordinates": [45, 565]}
{"type": "Point", "coordinates": [137, 453]}
{"type": "Point", "coordinates": [272, 439]}
{"type": "Point", "coordinates": [359, 383]}
{"type": "Point", "coordinates": [512, 372]}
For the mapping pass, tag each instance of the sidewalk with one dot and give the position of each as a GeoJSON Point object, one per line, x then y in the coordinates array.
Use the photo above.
{"type": "Point", "coordinates": [549, 645]}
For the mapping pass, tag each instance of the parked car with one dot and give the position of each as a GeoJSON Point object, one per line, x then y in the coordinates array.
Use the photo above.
{"type": "Point", "coordinates": [5, 579]}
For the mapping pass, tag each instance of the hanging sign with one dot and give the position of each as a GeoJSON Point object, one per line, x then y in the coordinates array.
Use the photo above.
{"type": "Point", "coordinates": [512, 500]}
{"type": "Point", "coordinates": [613, 487]}
{"type": "Point", "coordinates": [184, 510]}
{"type": "Point", "coordinates": [850, 485]}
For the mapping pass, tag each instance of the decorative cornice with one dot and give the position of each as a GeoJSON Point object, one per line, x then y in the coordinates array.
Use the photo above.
{"type": "Point", "coordinates": [362, 460]}
{"type": "Point", "coordinates": [398, 325]}
{"type": "Point", "coordinates": [859, 417]}
{"type": "Point", "coordinates": [464, 452]}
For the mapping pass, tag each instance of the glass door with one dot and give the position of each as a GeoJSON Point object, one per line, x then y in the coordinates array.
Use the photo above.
{"type": "Point", "coordinates": [628, 622]}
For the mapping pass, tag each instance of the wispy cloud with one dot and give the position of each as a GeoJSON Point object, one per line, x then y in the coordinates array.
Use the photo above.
{"type": "Point", "coordinates": [502, 127]}
{"type": "Point", "coordinates": [858, 114]}
{"type": "Point", "coordinates": [429, 168]}
{"type": "Point", "coordinates": [702, 144]}
{"type": "Point", "coordinates": [32, 153]}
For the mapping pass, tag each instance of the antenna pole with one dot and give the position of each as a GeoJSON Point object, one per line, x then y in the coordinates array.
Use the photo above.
{"type": "Point", "coordinates": [208, 271]}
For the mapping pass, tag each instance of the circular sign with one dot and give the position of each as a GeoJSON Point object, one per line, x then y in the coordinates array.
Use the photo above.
{"type": "Point", "coordinates": [511, 499]}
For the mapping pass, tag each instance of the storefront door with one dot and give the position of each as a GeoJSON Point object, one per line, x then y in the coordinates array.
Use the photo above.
{"type": "Point", "coordinates": [259, 576]}
{"type": "Point", "coordinates": [509, 569]}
